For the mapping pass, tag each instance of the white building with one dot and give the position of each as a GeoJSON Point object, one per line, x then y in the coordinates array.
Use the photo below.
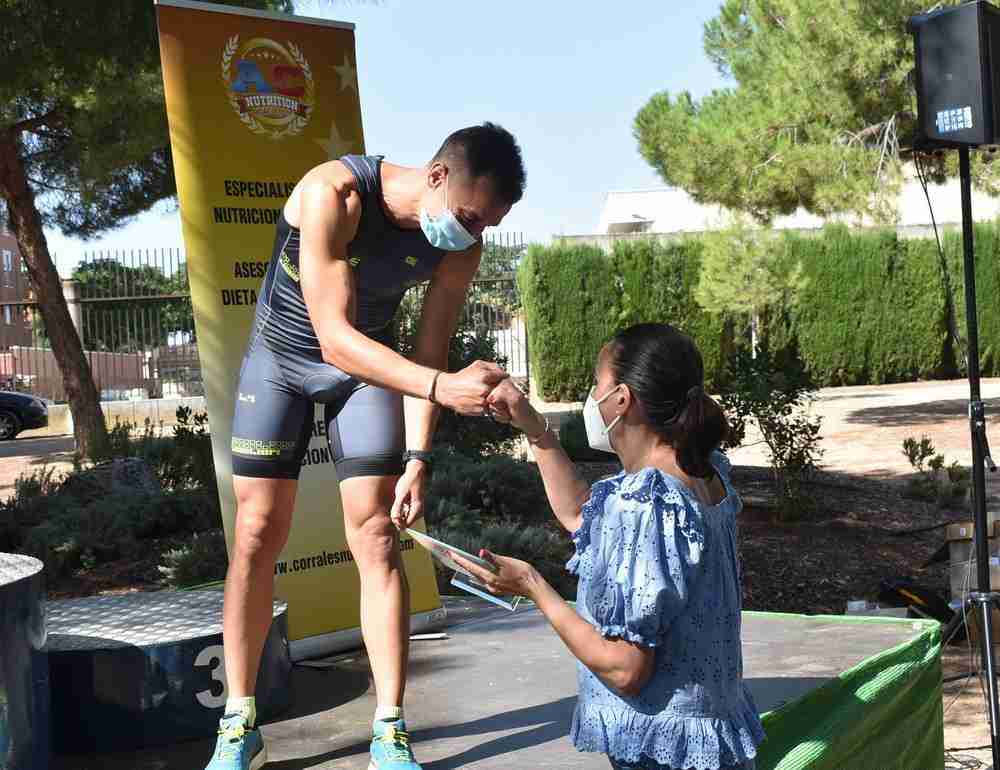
{"type": "Point", "coordinates": [671, 211]}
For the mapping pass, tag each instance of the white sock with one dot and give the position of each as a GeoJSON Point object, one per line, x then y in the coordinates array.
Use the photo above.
{"type": "Point", "coordinates": [246, 707]}
{"type": "Point", "coordinates": [388, 713]}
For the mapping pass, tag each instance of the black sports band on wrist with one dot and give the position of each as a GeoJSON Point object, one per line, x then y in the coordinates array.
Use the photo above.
{"type": "Point", "coordinates": [417, 454]}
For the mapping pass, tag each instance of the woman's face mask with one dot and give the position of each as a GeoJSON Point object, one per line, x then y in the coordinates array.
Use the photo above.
{"type": "Point", "coordinates": [598, 434]}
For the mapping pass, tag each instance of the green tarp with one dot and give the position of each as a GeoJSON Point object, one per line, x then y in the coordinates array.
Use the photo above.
{"type": "Point", "coordinates": [885, 713]}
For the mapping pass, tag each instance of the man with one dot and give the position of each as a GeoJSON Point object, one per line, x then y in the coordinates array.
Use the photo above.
{"type": "Point", "coordinates": [354, 236]}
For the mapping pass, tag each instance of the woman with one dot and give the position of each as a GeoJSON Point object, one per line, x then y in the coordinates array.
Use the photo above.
{"type": "Point", "coordinates": [656, 627]}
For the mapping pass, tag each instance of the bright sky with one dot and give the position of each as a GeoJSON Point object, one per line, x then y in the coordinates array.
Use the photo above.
{"type": "Point", "coordinates": [566, 78]}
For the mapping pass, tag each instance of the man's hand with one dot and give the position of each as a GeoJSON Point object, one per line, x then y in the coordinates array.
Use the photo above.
{"type": "Point", "coordinates": [408, 505]}
{"type": "Point", "coordinates": [466, 391]}
{"type": "Point", "coordinates": [510, 404]}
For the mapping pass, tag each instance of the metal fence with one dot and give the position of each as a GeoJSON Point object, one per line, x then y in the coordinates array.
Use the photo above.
{"type": "Point", "coordinates": [133, 312]}
{"type": "Point", "coordinates": [493, 307]}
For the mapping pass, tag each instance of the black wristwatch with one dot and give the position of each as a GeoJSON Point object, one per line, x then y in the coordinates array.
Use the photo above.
{"type": "Point", "coordinates": [418, 454]}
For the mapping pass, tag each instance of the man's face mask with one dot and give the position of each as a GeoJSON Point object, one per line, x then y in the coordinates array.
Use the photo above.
{"type": "Point", "coordinates": [445, 231]}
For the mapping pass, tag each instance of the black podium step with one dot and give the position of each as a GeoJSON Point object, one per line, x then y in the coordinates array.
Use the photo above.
{"type": "Point", "coordinates": [145, 669]}
{"type": "Point", "coordinates": [24, 700]}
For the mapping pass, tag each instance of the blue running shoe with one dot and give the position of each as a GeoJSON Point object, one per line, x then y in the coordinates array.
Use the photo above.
{"type": "Point", "coordinates": [390, 748]}
{"type": "Point", "coordinates": [238, 747]}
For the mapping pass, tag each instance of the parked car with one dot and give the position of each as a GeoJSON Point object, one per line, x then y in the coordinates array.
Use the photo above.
{"type": "Point", "coordinates": [20, 411]}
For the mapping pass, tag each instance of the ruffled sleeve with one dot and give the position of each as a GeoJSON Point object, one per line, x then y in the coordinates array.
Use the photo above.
{"type": "Point", "coordinates": [650, 556]}
{"type": "Point", "coordinates": [724, 466]}
{"type": "Point", "coordinates": [722, 462]}
{"type": "Point", "coordinates": [591, 517]}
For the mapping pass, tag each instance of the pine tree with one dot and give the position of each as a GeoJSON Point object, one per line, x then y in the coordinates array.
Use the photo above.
{"type": "Point", "coordinates": [744, 272]}
{"type": "Point", "coordinates": [83, 147]}
{"type": "Point", "coordinates": [820, 113]}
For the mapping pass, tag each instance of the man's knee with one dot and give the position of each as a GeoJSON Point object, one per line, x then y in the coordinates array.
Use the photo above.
{"type": "Point", "coordinates": [375, 541]}
{"type": "Point", "coordinates": [263, 516]}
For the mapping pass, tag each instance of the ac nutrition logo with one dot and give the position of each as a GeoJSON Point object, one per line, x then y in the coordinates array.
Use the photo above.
{"type": "Point", "coordinates": [269, 85]}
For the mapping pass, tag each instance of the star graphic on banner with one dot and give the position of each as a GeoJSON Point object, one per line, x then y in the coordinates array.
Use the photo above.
{"type": "Point", "coordinates": [348, 75]}
{"type": "Point", "coordinates": [335, 145]}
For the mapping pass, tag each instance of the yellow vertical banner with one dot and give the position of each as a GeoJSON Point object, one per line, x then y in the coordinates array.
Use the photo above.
{"type": "Point", "coordinates": [254, 100]}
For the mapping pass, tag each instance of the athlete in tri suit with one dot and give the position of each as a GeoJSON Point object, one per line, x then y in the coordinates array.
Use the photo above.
{"type": "Point", "coordinates": [355, 234]}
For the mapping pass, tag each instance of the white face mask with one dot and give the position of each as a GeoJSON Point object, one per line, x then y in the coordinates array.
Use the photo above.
{"type": "Point", "coordinates": [598, 434]}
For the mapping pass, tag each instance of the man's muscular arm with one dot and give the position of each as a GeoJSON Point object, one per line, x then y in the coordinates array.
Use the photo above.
{"type": "Point", "coordinates": [328, 219]}
{"type": "Point", "coordinates": [442, 306]}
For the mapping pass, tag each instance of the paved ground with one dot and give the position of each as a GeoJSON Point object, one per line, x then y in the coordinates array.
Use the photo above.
{"type": "Point", "coordinates": [864, 427]}
{"type": "Point", "coordinates": [966, 725]}
{"type": "Point", "coordinates": [27, 454]}
{"type": "Point", "coordinates": [499, 693]}
{"type": "Point", "coordinates": [863, 431]}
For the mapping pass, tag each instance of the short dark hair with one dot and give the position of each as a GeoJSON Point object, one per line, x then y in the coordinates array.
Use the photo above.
{"type": "Point", "coordinates": [488, 150]}
{"type": "Point", "coordinates": [663, 368]}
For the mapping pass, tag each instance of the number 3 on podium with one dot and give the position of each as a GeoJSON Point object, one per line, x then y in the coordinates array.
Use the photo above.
{"type": "Point", "coordinates": [213, 656]}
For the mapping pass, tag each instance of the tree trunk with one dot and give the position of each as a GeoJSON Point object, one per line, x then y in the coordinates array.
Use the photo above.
{"type": "Point", "coordinates": [26, 223]}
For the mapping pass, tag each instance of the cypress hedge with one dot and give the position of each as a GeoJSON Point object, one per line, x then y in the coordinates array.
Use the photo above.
{"type": "Point", "coordinates": [576, 296]}
{"type": "Point", "coordinates": [987, 240]}
{"type": "Point", "coordinates": [570, 299]}
{"type": "Point", "coordinates": [874, 308]}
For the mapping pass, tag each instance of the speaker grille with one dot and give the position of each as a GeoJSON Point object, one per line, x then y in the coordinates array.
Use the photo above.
{"type": "Point", "coordinates": [955, 57]}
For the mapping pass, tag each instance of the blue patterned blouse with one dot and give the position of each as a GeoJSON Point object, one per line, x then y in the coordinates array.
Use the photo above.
{"type": "Point", "coordinates": [659, 568]}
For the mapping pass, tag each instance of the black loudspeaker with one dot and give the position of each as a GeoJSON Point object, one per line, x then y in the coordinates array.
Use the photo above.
{"type": "Point", "coordinates": [958, 75]}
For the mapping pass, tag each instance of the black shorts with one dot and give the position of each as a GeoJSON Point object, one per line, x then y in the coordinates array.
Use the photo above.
{"type": "Point", "coordinates": [274, 417]}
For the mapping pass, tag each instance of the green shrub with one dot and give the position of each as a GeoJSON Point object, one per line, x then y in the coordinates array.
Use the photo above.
{"type": "Point", "coordinates": [492, 488]}
{"type": "Point", "coordinates": [873, 306]}
{"type": "Point", "coordinates": [80, 532]}
{"type": "Point", "coordinates": [28, 506]}
{"type": "Point", "coordinates": [84, 518]}
{"type": "Point", "coordinates": [658, 284]}
{"type": "Point", "coordinates": [987, 271]}
{"type": "Point", "coordinates": [146, 487]}
{"type": "Point", "coordinates": [203, 559]}
{"type": "Point", "coordinates": [57, 540]}
{"type": "Point", "coordinates": [124, 440]}
{"type": "Point", "coordinates": [776, 399]}
{"type": "Point", "coordinates": [944, 485]}
{"type": "Point", "coordinates": [183, 460]}
{"type": "Point", "coordinates": [189, 463]}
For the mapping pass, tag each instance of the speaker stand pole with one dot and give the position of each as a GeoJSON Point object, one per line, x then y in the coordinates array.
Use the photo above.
{"type": "Point", "coordinates": [984, 599]}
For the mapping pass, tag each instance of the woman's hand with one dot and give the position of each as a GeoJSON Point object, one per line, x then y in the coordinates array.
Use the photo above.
{"type": "Point", "coordinates": [622, 666]}
{"type": "Point", "coordinates": [510, 404]}
{"type": "Point", "coordinates": [513, 576]}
